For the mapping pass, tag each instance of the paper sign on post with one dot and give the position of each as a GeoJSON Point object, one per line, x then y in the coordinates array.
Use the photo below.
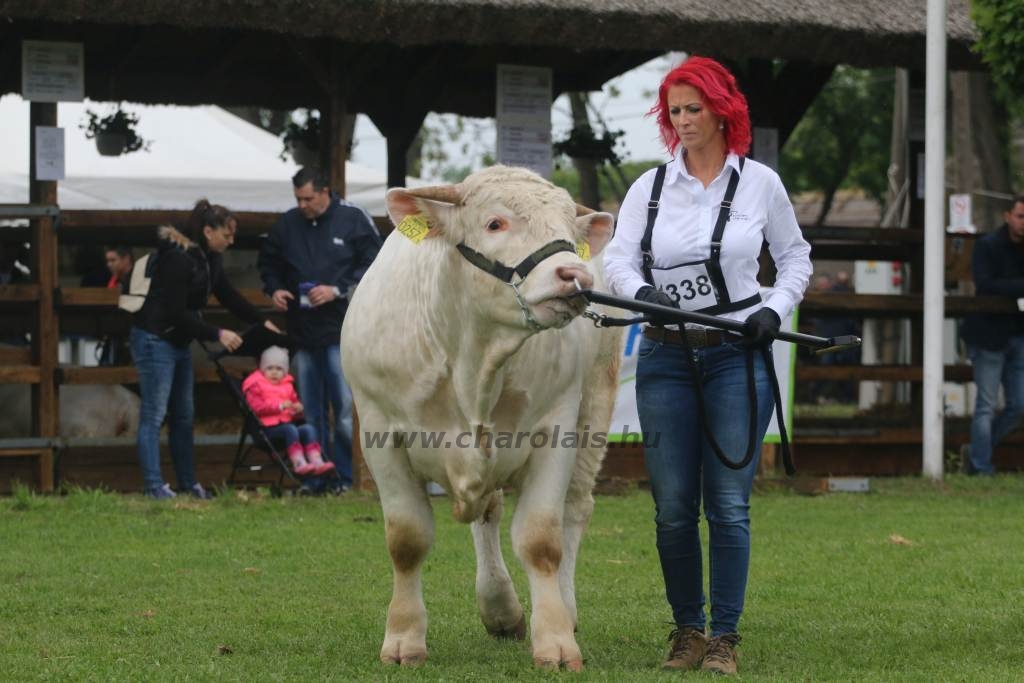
{"type": "Point", "coordinates": [960, 213]}
{"type": "Point", "coordinates": [49, 153]}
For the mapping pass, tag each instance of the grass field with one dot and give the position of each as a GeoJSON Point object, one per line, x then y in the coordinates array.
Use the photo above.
{"type": "Point", "coordinates": [912, 582]}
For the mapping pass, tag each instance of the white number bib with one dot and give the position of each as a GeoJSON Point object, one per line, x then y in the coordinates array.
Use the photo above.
{"type": "Point", "coordinates": [688, 284]}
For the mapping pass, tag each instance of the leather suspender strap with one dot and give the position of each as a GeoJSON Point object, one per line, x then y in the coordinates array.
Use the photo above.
{"type": "Point", "coordinates": [652, 215]}
{"type": "Point", "coordinates": [714, 265]}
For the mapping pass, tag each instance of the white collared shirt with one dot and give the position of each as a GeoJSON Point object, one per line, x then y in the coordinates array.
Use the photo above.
{"type": "Point", "coordinates": [761, 210]}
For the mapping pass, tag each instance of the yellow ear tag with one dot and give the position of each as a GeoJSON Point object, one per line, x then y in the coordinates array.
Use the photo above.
{"type": "Point", "coordinates": [583, 250]}
{"type": "Point", "coordinates": [415, 227]}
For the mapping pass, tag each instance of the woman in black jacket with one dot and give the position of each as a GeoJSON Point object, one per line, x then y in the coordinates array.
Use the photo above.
{"type": "Point", "coordinates": [189, 267]}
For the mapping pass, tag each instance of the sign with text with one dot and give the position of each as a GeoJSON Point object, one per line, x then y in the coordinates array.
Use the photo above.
{"type": "Point", "coordinates": [523, 117]}
{"type": "Point", "coordinates": [49, 153]}
{"type": "Point", "coordinates": [52, 72]}
{"type": "Point", "coordinates": [960, 213]}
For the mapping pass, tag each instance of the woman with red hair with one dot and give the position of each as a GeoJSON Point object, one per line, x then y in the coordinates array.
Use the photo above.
{"type": "Point", "coordinates": [689, 234]}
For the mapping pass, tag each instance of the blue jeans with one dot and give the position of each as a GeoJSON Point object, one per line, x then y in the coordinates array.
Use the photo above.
{"type": "Point", "coordinates": [165, 381]}
{"type": "Point", "coordinates": [320, 379]}
{"type": "Point", "coordinates": [289, 433]}
{"type": "Point", "coordinates": [683, 468]}
{"type": "Point", "coordinates": [992, 369]}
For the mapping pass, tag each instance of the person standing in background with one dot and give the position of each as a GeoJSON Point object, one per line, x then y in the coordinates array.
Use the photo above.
{"type": "Point", "coordinates": [310, 262]}
{"type": "Point", "coordinates": [189, 267]}
{"type": "Point", "coordinates": [995, 342]}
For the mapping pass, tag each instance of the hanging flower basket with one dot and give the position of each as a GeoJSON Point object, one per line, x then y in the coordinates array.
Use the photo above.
{"type": "Point", "coordinates": [115, 133]}
{"type": "Point", "coordinates": [304, 155]}
{"type": "Point", "coordinates": [111, 144]}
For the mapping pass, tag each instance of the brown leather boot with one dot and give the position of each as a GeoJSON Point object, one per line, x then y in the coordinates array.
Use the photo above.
{"type": "Point", "coordinates": [721, 654]}
{"type": "Point", "coordinates": [687, 648]}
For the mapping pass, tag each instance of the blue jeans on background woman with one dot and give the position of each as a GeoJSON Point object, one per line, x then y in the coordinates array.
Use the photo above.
{"type": "Point", "coordinates": [993, 369]}
{"type": "Point", "coordinates": [319, 375]}
{"type": "Point", "coordinates": [165, 382]}
{"type": "Point", "coordinates": [683, 469]}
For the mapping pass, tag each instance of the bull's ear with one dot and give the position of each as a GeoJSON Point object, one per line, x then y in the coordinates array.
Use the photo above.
{"type": "Point", "coordinates": [596, 228]}
{"type": "Point", "coordinates": [435, 204]}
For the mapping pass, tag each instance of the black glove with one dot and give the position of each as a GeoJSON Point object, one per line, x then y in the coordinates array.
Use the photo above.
{"type": "Point", "coordinates": [761, 327]}
{"type": "Point", "coordinates": [650, 295]}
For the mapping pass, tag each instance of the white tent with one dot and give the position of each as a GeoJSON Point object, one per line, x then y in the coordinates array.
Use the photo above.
{"type": "Point", "coordinates": [195, 152]}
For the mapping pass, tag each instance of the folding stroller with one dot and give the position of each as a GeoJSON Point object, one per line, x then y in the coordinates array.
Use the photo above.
{"type": "Point", "coordinates": [256, 453]}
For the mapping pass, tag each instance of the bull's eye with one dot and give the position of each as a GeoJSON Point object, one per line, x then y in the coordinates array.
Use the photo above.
{"type": "Point", "coordinates": [495, 224]}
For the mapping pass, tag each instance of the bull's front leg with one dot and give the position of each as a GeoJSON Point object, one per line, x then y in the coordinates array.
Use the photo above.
{"type": "Point", "coordinates": [537, 541]}
{"type": "Point", "coordinates": [409, 527]}
{"type": "Point", "coordinates": [496, 597]}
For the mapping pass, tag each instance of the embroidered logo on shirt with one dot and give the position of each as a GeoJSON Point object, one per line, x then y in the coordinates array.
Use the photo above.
{"type": "Point", "coordinates": [737, 216]}
{"type": "Point", "coordinates": [339, 242]}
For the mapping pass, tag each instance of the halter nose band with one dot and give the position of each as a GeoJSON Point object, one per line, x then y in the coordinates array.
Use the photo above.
{"type": "Point", "coordinates": [503, 272]}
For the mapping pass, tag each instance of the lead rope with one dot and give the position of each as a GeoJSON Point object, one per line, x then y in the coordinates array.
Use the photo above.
{"type": "Point", "coordinates": [787, 456]}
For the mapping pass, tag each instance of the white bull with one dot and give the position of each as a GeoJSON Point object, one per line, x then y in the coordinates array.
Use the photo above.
{"type": "Point", "coordinates": [508, 379]}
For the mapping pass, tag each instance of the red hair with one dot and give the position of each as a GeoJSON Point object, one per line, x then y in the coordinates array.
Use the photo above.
{"type": "Point", "coordinates": [717, 87]}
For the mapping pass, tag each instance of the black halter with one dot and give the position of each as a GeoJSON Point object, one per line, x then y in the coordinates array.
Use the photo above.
{"type": "Point", "coordinates": [503, 272]}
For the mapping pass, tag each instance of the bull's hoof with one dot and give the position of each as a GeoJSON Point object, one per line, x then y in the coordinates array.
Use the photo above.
{"type": "Point", "coordinates": [515, 632]}
{"type": "Point", "coordinates": [574, 665]}
{"type": "Point", "coordinates": [411, 659]}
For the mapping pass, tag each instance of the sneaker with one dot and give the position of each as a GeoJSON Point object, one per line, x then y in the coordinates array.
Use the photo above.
{"type": "Point", "coordinates": [197, 491]}
{"type": "Point", "coordinates": [163, 492]}
{"type": "Point", "coordinates": [688, 645]}
{"type": "Point", "coordinates": [721, 654]}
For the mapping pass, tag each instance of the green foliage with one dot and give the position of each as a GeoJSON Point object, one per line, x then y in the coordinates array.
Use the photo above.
{"type": "Point", "coordinates": [118, 122]}
{"type": "Point", "coordinates": [1001, 44]}
{"type": "Point", "coordinates": [843, 139]}
{"type": "Point", "coordinates": [913, 582]}
{"type": "Point", "coordinates": [304, 132]}
{"type": "Point", "coordinates": [612, 184]}
{"type": "Point", "coordinates": [582, 143]}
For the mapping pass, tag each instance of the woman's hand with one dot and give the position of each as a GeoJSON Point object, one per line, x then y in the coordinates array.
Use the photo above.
{"type": "Point", "coordinates": [650, 295]}
{"type": "Point", "coordinates": [296, 407]}
{"type": "Point", "coordinates": [229, 340]}
{"type": "Point", "coordinates": [761, 326]}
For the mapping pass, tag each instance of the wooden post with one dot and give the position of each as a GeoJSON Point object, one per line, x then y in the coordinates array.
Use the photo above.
{"type": "Point", "coordinates": [45, 417]}
{"type": "Point", "coordinates": [338, 136]}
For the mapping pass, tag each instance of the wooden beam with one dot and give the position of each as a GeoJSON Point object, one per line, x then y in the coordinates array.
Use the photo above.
{"type": "Point", "coordinates": [20, 374]}
{"type": "Point", "coordinates": [102, 297]}
{"type": "Point", "coordinates": [817, 304]}
{"type": "Point", "coordinates": [338, 139]}
{"type": "Point", "coordinates": [46, 325]}
{"type": "Point", "coordinates": [875, 373]}
{"type": "Point", "coordinates": [127, 374]}
{"type": "Point", "coordinates": [10, 294]}
{"type": "Point", "coordinates": [254, 222]}
{"type": "Point", "coordinates": [15, 355]}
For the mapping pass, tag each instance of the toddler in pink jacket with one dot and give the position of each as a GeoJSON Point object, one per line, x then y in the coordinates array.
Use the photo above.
{"type": "Point", "coordinates": [270, 392]}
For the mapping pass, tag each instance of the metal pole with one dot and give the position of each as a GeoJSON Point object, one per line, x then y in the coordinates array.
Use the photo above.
{"type": "Point", "coordinates": [934, 238]}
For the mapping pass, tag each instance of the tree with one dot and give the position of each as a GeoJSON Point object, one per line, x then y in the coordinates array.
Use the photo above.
{"type": "Point", "coordinates": [843, 140]}
{"type": "Point", "coordinates": [1001, 25]}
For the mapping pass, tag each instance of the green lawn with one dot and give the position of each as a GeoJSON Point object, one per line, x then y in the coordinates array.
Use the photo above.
{"type": "Point", "coordinates": [105, 587]}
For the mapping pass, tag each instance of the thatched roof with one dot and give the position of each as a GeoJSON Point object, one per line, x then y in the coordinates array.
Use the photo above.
{"type": "Point", "coordinates": [861, 32]}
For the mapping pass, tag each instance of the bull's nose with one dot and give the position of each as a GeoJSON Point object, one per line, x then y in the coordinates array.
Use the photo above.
{"type": "Point", "coordinates": [570, 273]}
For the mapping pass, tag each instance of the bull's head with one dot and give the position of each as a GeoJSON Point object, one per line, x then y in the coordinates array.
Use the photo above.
{"type": "Point", "coordinates": [519, 238]}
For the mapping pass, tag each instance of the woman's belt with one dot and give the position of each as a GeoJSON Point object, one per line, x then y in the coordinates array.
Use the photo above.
{"type": "Point", "coordinates": [698, 338]}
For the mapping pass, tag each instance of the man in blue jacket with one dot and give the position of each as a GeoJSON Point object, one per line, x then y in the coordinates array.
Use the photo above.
{"type": "Point", "coordinates": [310, 263]}
{"type": "Point", "coordinates": [996, 342]}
